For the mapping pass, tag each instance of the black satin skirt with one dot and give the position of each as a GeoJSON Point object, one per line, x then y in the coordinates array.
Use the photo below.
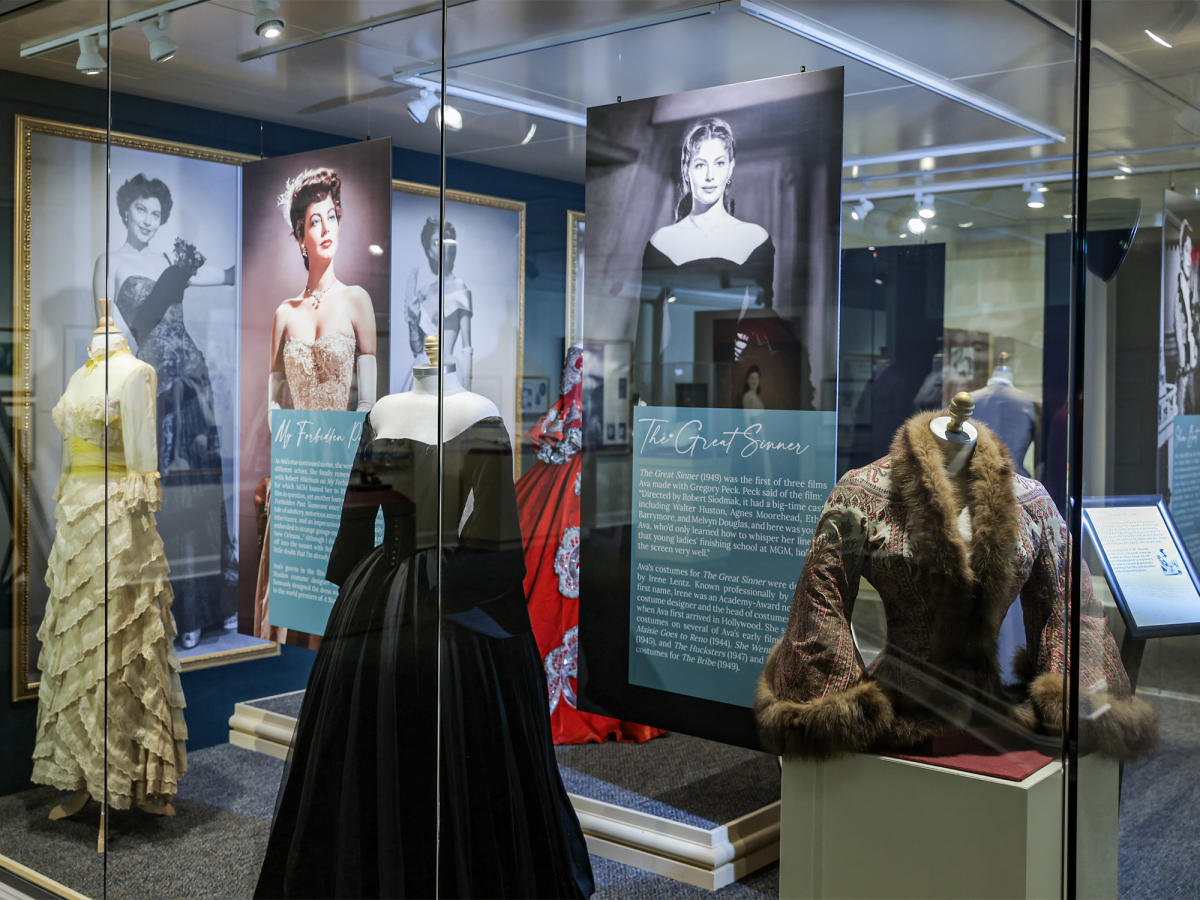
{"type": "Point", "coordinates": [359, 813]}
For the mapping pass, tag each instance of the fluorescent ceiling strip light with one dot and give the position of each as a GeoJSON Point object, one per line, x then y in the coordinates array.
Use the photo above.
{"type": "Point", "coordinates": [503, 101]}
{"type": "Point", "coordinates": [561, 39]}
{"type": "Point", "coordinates": [820, 33]}
{"type": "Point", "coordinates": [983, 184]}
{"type": "Point", "coordinates": [880, 159]}
{"type": "Point", "coordinates": [150, 14]}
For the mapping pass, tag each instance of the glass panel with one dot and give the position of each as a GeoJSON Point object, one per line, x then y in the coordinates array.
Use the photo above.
{"type": "Point", "coordinates": [1140, 339]}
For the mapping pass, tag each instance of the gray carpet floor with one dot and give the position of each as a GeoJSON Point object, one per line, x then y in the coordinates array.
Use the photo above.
{"type": "Point", "coordinates": [213, 847]}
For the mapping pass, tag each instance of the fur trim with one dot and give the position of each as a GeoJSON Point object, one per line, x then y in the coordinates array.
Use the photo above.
{"type": "Point", "coordinates": [983, 574]}
{"type": "Point", "coordinates": [842, 722]}
{"type": "Point", "coordinates": [1124, 728]}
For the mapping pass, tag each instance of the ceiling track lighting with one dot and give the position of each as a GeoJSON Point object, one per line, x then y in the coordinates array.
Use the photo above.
{"type": "Point", "coordinates": [501, 101]}
{"type": "Point", "coordinates": [859, 211]}
{"type": "Point", "coordinates": [162, 48]}
{"type": "Point", "coordinates": [448, 114]}
{"type": "Point", "coordinates": [925, 206]}
{"type": "Point", "coordinates": [90, 61]}
{"type": "Point", "coordinates": [916, 225]}
{"type": "Point", "coordinates": [422, 105]}
{"type": "Point", "coordinates": [1034, 192]}
{"type": "Point", "coordinates": [268, 23]}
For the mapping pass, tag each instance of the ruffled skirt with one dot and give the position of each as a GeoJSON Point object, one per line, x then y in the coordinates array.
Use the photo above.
{"type": "Point", "coordinates": [147, 736]}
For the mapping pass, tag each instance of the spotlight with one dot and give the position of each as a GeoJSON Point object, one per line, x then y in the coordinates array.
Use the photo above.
{"type": "Point", "coordinates": [267, 21]}
{"type": "Point", "coordinates": [925, 206]}
{"type": "Point", "coordinates": [859, 211]}
{"type": "Point", "coordinates": [451, 115]}
{"type": "Point", "coordinates": [90, 61]}
{"type": "Point", "coordinates": [1035, 200]}
{"type": "Point", "coordinates": [916, 225]}
{"type": "Point", "coordinates": [422, 105]}
{"type": "Point", "coordinates": [162, 48]}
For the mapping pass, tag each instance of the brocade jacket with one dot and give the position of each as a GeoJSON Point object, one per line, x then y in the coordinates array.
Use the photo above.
{"type": "Point", "coordinates": [946, 581]}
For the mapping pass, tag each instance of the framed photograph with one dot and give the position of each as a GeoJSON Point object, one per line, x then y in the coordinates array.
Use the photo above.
{"type": "Point", "coordinates": [484, 317]}
{"type": "Point", "coordinates": [607, 372]}
{"type": "Point", "coordinates": [967, 361]}
{"type": "Point", "coordinates": [535, 395]}
{"type": "Point", "coordinates": [573, 325]}
{"type": "Point", "coordinates": [168, 200]}
{"type": "Point", "coordinates": [1145, 564]}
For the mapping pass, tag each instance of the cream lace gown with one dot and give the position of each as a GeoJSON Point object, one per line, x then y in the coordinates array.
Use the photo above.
{"type": "Point", "coordinates": [146, 731]}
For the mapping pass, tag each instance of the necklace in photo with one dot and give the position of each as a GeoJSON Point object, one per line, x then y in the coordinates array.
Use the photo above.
{"type": "Point", "coordinates": [318, 295]}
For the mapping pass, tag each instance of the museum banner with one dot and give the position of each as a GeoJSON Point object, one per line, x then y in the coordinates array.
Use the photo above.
{"type": "Point", "coordinates": [710, 383]}
{"type": "Point", "coordinates": [316, 245]}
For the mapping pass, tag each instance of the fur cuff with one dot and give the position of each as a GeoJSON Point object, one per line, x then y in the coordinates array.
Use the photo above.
{"type": "Point", "coordinates": [843, 722]}
{"type": "Point", "coordinates": [1124, 728]}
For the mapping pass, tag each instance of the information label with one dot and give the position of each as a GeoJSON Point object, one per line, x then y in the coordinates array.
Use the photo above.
{"type": "Point", "coordinates": [724, 506]}
{"type": "Point", "coordinates": [1185, 482]}
{"type": "Point", "coordinates": [1145, 562]}
{"type": "Point", "coordinates": [311, 456]}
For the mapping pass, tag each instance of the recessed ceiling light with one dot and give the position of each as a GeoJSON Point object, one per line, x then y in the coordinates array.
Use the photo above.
{"type": "Point", "coordinates": [1126, 170]}
{"type": "Point", "coordinates": [965, 224]}
{"type": "Point", "coordinates": [1118, 178]}
{"type": "Point", "coordinates": [1154, 37]}
{"type": "Point", "coordinates": [903, 235]}
{"type": "Point", "coordinates": [375, 250]}
{"type": "Point", "coordinates": [926, 163]}
{"type": "Point", "coordinates": [672, 299]}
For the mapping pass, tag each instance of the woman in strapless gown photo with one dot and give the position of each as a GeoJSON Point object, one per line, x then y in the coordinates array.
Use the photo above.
{"type": "Point", "coordinates": [421, 303]}
{"type": "Point", "coordinates": [708, 259]}
{"type": "Point", "coordinates": [323, 342]}
{"type": "Point", "coordinates": [147, 288]}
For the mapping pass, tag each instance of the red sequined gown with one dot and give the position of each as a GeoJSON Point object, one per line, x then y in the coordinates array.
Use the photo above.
{"type": "Point", "coordinates": [548, 503]}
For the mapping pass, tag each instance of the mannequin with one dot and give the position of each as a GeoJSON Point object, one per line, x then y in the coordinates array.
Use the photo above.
{"type": "Point", "coordinates": [1013, 414]}
{"type": "Point", "coordinates": [109, 460]}
{"type": "Point", "coordinates": [956, 438]}
{"type": "Point", "coordinates": [413, 414]}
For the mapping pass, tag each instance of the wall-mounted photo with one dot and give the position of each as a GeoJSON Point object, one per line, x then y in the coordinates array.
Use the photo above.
{"type": "Point", "coordinates": [171, 272]}
{"type": "Point", "coordinates": [484, 269]}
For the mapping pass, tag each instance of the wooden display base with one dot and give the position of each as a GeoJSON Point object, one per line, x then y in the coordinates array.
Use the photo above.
{"type": "Point", "coordinates": [709, 858]}
{"type": "Point", "coordinates": [876, 826]}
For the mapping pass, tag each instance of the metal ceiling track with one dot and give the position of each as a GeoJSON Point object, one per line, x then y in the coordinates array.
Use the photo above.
{"type": "Point", "coordinates": [100, 29]}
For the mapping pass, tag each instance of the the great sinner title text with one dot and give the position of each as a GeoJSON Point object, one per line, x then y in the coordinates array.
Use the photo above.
{"type": "Point", "coordinates": [688, 438]}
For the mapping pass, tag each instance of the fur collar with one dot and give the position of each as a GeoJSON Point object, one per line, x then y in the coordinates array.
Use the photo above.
{"type": "Point", "coordinates": [983, 572]}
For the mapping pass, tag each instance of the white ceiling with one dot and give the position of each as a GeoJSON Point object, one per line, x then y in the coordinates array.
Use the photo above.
{"type": "Point", "coordinates": [1019, 54]}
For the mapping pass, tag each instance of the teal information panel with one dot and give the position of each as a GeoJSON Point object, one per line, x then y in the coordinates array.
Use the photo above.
{"type": "Point", "coordinates": [724, 506]}
{"type": "Point", "coordinates": [311, 456]}
{"type": "Point", "coordinates": [1185, 482]}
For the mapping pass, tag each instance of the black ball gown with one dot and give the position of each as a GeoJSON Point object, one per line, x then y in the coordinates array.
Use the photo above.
{"type": "Point", "coordinates": [192, 520]}
{"type": "Point", "coordinates": [358, 811]}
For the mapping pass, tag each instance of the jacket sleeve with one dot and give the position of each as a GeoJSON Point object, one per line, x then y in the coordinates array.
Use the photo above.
{"type": "Point", "coordinates": [1112, 720]}
{"type": "Point", "coordinates": [814, 697]}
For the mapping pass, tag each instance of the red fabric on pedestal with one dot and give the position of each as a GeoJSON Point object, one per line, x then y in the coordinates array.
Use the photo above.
{"type": "Point", "coordinates": [984, 753]}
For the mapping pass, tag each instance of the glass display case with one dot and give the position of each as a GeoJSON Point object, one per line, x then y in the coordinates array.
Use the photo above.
{"type": "Point", "coordinates": [493, 448]}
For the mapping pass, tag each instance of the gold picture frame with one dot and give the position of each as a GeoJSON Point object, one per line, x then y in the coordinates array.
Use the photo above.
{"type": "Point", "coordinates": [28, 129]}
{"type": "Point", "coordinates": [510, 413]}
{"type": "Point", "coordinates": [573, 314]}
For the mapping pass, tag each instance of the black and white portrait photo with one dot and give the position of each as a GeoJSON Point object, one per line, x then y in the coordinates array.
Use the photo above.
{"type": "Point", "coordinates": [483, 270]}
{"type": "Point", "coordinates": [713, 220]}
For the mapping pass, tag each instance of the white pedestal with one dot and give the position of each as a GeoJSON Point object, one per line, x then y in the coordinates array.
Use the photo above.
{"type": "Point", "coordinates": [872, 826]}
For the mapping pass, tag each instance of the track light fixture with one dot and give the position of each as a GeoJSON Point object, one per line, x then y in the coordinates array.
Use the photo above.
{"type": "Point", "coordinates": [162, 48]}
{"type": "Point", "coordinates": [925, 206]}
{"type": "Point", "coordinates": [90, 61]}
{"type": "Point", "coordinates": [422, 105]}
{"type": "Point", "coordinates": [916, 225]}
{"type": "Point", "coordinates": [859, 211]}
{"type": "Point", "coordinates": [267, 21]}
{"type": "Point", "coordinates": [1034, 192]}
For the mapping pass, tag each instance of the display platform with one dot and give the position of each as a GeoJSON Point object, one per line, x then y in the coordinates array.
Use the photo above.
{"type": "Point", "coordinates": [697, 811]}
{"type": "Point", "coordinates": [939, 831]}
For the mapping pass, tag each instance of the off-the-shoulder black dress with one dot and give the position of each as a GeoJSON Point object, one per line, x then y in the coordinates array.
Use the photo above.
{"type": "Point", "coordinates": [358, 810]}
